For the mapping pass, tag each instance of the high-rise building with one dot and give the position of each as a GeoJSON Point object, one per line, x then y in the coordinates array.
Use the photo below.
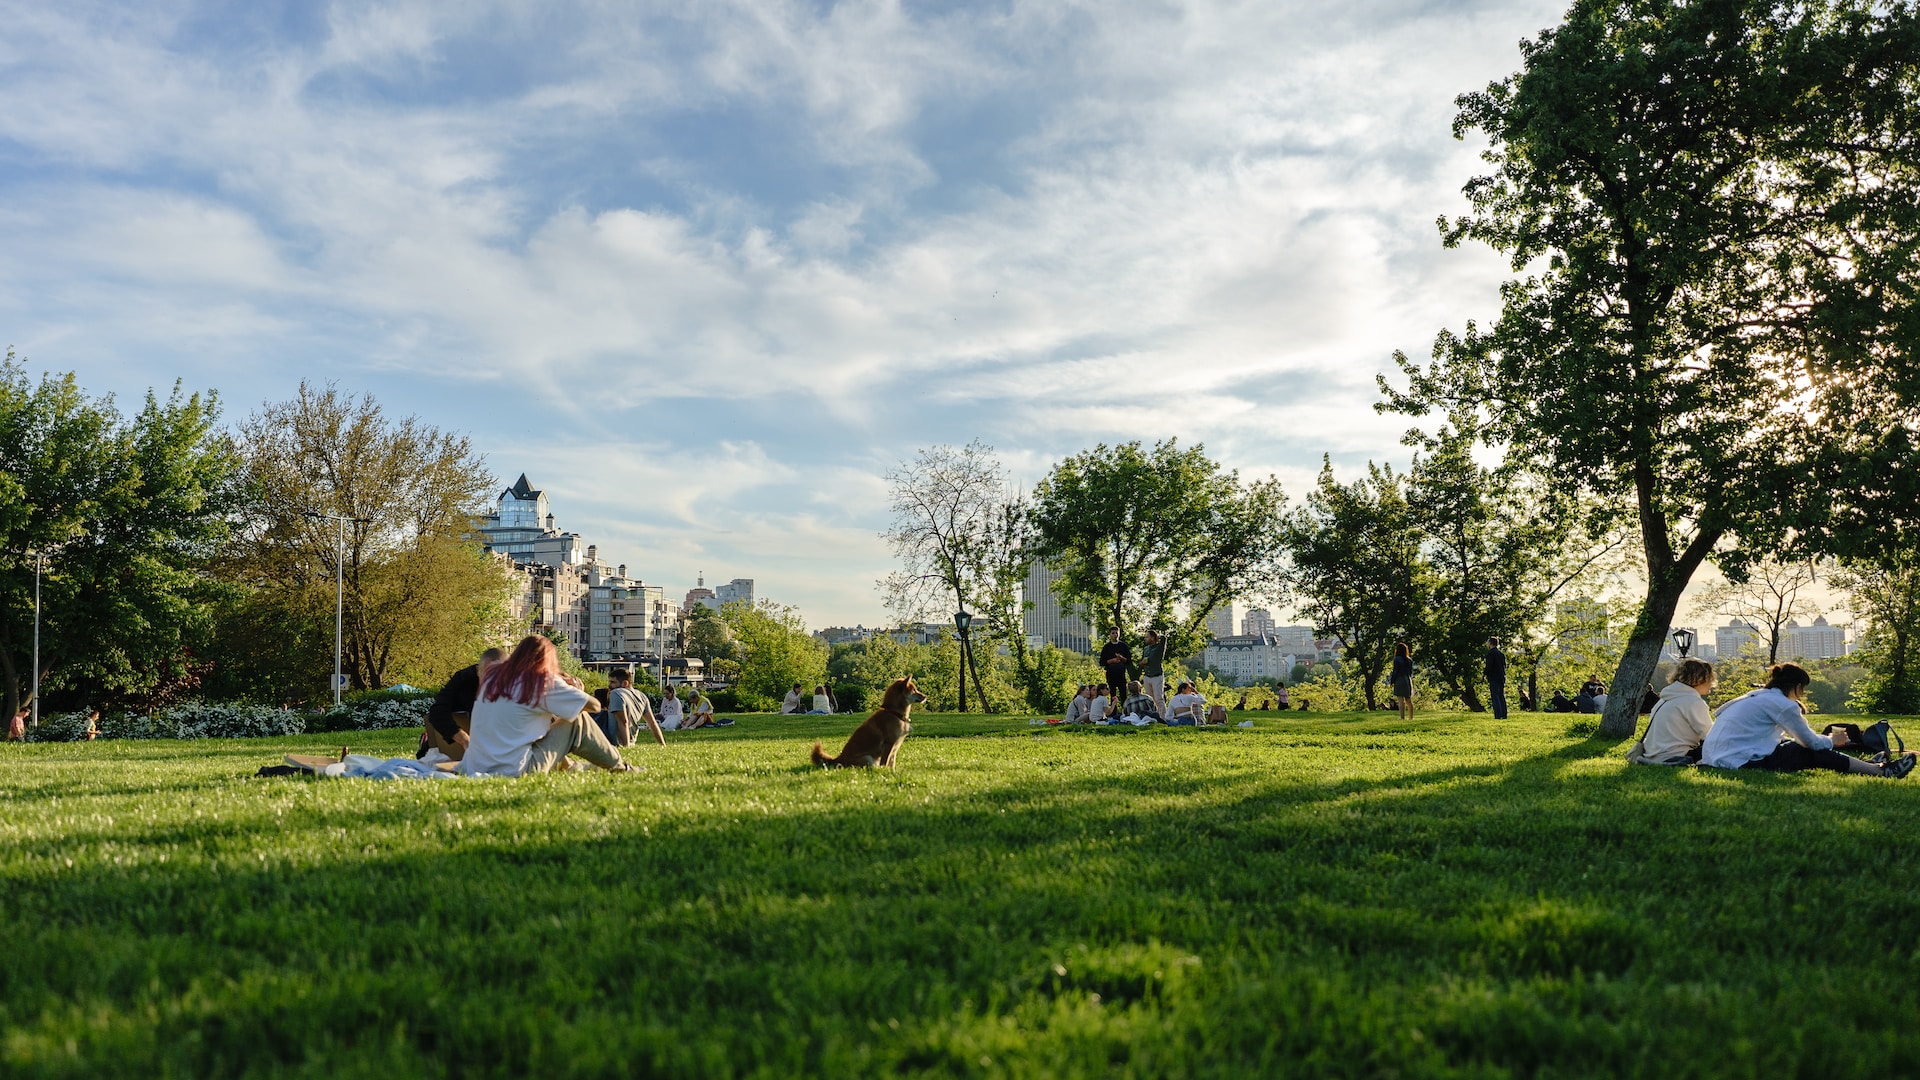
{"type": "Point", "coordinates": [1057, 624]}
{"type": "Point", "coordinates": [521, 527]}
{"type": "Point", "coordinates": [702, 595]}
{"type": "Point", "coordinates": [1820, 641]}
{"type": "Point", "coordinates": [739, 588]}
{"type": "Point", "coordinates": [1220, 620]}
{"type": "Point", "coordinates": [1738, 634]}
{"type": "Point", "coordinates": [1258, 621]}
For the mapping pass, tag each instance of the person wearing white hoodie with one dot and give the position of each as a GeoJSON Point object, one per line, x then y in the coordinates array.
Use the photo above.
{"type": "Point", "coordinates": [1747, 733]}
{"type": "Point", "coordinates": [1680, 720]}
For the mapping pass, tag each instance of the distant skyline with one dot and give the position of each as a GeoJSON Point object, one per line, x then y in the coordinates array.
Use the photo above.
{"type": "Point", "coordinates": [705, 273]}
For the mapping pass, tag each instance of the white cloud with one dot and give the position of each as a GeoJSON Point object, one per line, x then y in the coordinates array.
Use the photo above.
{"type": "Point", "coordinates": [1045, 223]}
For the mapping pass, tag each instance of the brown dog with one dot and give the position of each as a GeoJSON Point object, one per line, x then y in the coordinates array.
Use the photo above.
{"type": "Point", "coordinates": [877, 741]}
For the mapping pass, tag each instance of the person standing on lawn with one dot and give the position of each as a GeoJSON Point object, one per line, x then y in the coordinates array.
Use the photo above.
{"type": "Point", "coordinates": [529, 718]}
{"type": "Point", "coordinates": [1152, 676]}
{"type": "Point", "coordinates": [1496, 671]}
{"type": "Point", "coordinates": [1747, 733]}
{"type": "Point", "coordinates": [1115, 657]}
{"type": "Point", "coordinates": [1403, 679]}
{"type": "Point", "coordinates": [629, 707]}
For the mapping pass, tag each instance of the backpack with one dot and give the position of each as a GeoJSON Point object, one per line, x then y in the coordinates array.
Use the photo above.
{"type": "Point", "coordinates": [1877, 738]}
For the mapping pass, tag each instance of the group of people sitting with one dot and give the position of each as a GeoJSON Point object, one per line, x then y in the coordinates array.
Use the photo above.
{"type": "Point", "coordinates": [1097, 703]}
{"type": "Point", "coordinates": [515, 713]}
{"type": "Point", "coordinates": [1591, 699]}
{"type": "Point", "coordinates": [1762, 729]}
{"type": "Point", "coordinates": [796, 702]}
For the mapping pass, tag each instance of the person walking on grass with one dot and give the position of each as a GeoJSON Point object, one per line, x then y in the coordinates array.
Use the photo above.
{"type": "Point", "coordinates": [1115, 657]}
{"type": "Point", "coordinates": [1403, 679]}
{"type": "Point", "coordinates": [530, 718]}
{"type": "Point", "coordinates": [1748, 733]}
{"type": "Point", "coordinates": [1496, 672]}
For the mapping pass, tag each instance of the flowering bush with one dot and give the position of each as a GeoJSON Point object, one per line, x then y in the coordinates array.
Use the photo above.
{"type": "Point", "coordinates": [373, 715]}
{"type": "Point", "coordinates": [208, 720]}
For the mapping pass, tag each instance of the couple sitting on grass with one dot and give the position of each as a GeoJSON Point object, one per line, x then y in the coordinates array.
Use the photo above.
{"type": "Point", "coordinates": [1764, 729]}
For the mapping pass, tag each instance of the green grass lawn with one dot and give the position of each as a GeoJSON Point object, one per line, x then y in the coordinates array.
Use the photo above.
{"type": "Point", "coordinates": [1344, 896]}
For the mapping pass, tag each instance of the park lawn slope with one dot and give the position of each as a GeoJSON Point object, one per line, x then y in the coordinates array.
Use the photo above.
{"type": "Point", "coordinates": [1316, 896]}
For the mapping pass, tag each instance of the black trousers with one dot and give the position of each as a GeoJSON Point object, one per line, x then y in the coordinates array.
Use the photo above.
{"type": "Point", "coordinates": [1790, 756]}
{"type": "Point", "coordinates": [1498, 692]}
{"type": "Point", "coordinates": [1117, 684]}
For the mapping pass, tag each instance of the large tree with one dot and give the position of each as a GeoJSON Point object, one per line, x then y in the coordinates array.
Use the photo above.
{"type": "Point", "coordinates": [1355, 566]}
{"type": "Point", "coordinates": [946, 504]}
{"type": "Point", "coordinates": [1884, 592]}
{"type": "Point", "coordinates": [1157, 537]}
{"type": "Point", "coordinates": [420, 599]}
{"type": "Point", "coordinates": [129, 511]}
{"type": "Point", "coordinates": [1714, 206]}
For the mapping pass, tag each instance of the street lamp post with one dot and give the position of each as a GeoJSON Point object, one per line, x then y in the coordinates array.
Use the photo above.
{"type": "Point", "coordinates": [339, 586]}
{"type": "Point", "coordinates": [963, 622]}
{"type": "Point", "coordinates": [1683, 640]}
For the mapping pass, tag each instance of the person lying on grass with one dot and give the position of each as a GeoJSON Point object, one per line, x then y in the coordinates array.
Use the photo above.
{"type": "Point", "coordinates": [1680, 719]}
{"type": "Point", "coordinates": [1747, 733]}
{"type": "Point", "coordinates": [529, 718]}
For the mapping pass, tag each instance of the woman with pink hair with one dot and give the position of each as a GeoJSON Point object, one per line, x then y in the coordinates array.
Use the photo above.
{"type": "Point", "coordinates": [528, 717]}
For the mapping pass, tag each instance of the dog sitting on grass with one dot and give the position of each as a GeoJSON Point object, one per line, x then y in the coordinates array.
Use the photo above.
{"type": "Point", "coordinates": [877, 741]}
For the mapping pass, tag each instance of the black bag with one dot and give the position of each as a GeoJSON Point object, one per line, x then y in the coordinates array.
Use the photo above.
{"type": "Point", "coordinates": [1877, 738]}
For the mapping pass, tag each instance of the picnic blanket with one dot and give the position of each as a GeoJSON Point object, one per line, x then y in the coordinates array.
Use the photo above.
{"type": "Point", "coordinates": [368, 767]}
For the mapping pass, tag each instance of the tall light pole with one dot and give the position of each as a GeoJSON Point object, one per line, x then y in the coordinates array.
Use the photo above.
{"type": "Point", "coordinates": [339, 585]}
{"type": "Point", "coordinates": [39, 563]}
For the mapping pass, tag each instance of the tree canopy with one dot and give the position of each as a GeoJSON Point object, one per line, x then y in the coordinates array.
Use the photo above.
{"type": "Point", "coordinates": [1157, 537]}
{"type": "Point", "coordinates": [1716, 209]}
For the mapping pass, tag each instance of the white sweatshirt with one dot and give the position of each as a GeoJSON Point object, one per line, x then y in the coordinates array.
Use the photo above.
{"type": "Point", "coordinates": [1750, 726]}
{"type": "Point", "coordinates": [1679, 723]}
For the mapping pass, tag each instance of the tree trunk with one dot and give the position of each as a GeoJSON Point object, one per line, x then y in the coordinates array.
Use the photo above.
{"type": "Point", "coordinates": [966, 644]}
{"type": "Point", "coordinates": [1630, 681]}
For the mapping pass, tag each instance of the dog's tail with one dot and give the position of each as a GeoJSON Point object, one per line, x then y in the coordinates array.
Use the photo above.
{"type": "Point", "coordinates": [820, 756]}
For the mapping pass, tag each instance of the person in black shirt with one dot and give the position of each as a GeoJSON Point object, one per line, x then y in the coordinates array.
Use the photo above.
{"type": "Point", "coordinates": [1497, 678]}
{"type": "Point", "coordinates": [1114, 657]}
{"type": "Point", "coordinates": [443, 731]}
{"type": "Point", "coordinates": [1403, 679]}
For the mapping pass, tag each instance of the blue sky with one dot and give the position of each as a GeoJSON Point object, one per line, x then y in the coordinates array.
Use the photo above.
{"type": "Point", "coordinates": [704, 272]}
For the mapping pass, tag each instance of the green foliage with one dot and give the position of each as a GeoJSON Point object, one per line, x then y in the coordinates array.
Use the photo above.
{"type": "Point", "coordinates": [1451, 897]}
{"type": "Point", "coordinates": [1138, 535]}
{"type": "Point", "coordinates": [709, 638]}
{"type": "Point", "coordinates": [1884, 590]}
{"type": "Point", "coordinates": [775, 652]}
{"type": "Point", "coordinates": [131, 511]}
{"type": "Point", "coordinates": [1356, 567]}
{"type": "Point", "coordinates": [1717, 208]}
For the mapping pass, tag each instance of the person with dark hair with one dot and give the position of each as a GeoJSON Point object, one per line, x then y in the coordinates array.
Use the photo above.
{"type": "Point", "coordinates": [1496, 672]}
{"type": "Point", "coordinates": [1403, 679]}
{"type": "Point", "coordinates": [1115, 656]}
{"type": "Point", "coordinates": [453, 704]}
{"type": "Point", "coordinates": [1560, 703]}
{"type": "Point", "coordinates": [630, 708]}
{"type": "Point", "coordinates": [529, 717]}
{"type": "Point", "coordinates": [1748, 732]}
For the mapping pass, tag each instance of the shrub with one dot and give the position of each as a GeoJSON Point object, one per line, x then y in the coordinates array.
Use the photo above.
{"type": "Point", "coordinates": [377, 715]}
{"type": "Point", "coordinates": [724, 701]}
{"type": "Point", "coordinates": [61, 727]}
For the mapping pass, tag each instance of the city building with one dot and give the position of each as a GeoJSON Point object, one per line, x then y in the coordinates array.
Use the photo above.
{"type": "Point", "coordinates": [1248, 658]}
{"type": "Point", "coordinates": [1258, 621]}
{"type": "Point", "coordinates": [739, 588]}
{"type": "Point", "coordinates": [521, 527]}
{"type": "Point", "coordinates": [1819, 641]}
{"type": "Point", "coordinates": [700, 594]}
{"type": "Point", "coordinates": [1220, 621]}
{"type": "Point", "coordinates": [1738, 634]}
{"type": "Point", "coordinates": [1298, 640]}
{"type": "Point", "coordinates": [1049, 620]}
{"type": "Point", "coordinates": [841, 635]}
